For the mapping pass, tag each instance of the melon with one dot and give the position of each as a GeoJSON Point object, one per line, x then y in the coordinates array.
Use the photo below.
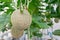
{"type": "Point", "coordinates": [16, 33]}
{"type": "Point", "coordinates": [21, 20]}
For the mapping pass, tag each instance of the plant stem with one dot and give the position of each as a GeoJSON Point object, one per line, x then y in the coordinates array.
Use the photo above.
{"type": "Point", "coordinates": [29, 33]}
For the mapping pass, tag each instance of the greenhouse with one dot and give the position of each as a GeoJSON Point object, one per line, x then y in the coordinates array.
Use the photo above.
{"type": "Point", "coordinates": [29, 19]}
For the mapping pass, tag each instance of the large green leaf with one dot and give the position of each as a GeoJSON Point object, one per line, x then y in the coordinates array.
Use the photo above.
{"type": "Point", "coordinates": [33, 7]}
{"type": "Point", "coordinates": [41, 25]}
{"type": "Point", "coordinates": [4, 19]}
{"type": "Point", "coordinates": [57, 32]}
{"type": "Point", "coordinates": [35, 31]}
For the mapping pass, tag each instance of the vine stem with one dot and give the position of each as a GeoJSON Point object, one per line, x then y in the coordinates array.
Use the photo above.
{"type": "Point", "coordinates": [29, 33]}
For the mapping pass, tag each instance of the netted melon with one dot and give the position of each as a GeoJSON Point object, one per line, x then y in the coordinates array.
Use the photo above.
{"type": "Point", "coordinates": [21, 19]}
{"type": "Point", "coordinates": [16, 32]}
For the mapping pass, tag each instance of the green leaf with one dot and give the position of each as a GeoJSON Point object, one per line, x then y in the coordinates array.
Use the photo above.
{"type": "Point", "coordinates": [33, 7]}
{"type": "Point", "coordinates": [18, 3]}
{"type": "Point", "coordinates": [41, 25]}
{"type": "Point", "coordinates": [6, 0]}
{"type": "Point", "coordinates": [34, 31]}
{"type": "Point", "coordinates": [57, 32]}
{"type": "Point", "coordinates": [4, 19]}
{"type": "Point", "coordinates": [37, 34]}
{"type": "Point", "coordinates": [58, 9]}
